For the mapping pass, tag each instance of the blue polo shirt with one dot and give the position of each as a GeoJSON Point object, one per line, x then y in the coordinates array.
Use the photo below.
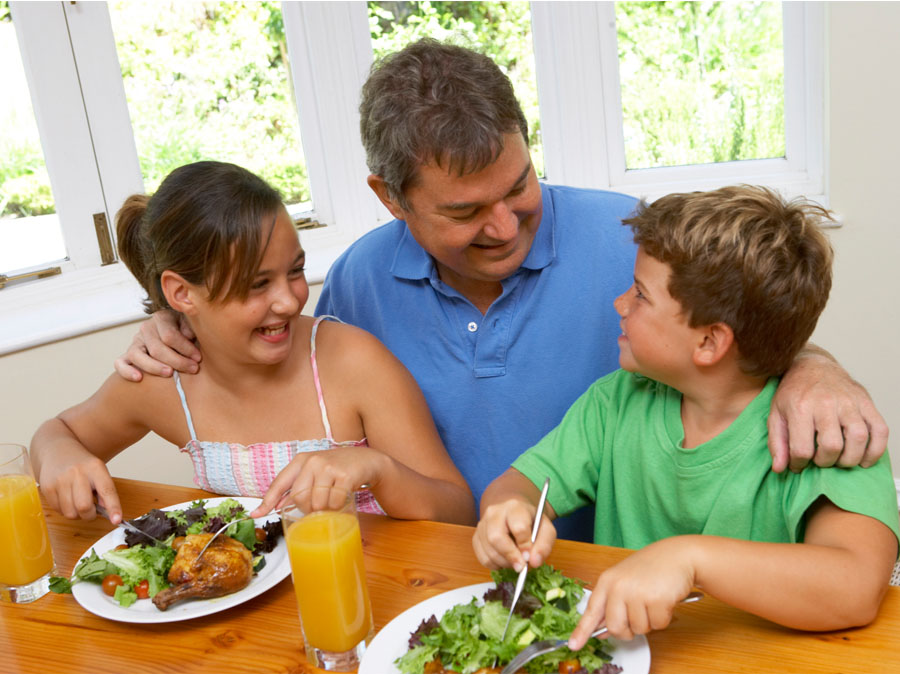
{"type": "Point", "coordinates": [497, 383]}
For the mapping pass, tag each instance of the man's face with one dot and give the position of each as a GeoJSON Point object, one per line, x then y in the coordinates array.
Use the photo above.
{"type": "Point", "coordinates": [478, 227]}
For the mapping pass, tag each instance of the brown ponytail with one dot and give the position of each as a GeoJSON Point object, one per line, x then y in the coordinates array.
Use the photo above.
{"type": "Point", "coordinates": [205, 223]}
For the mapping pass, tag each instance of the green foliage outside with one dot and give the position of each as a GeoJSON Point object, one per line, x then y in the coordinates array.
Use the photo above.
{"type": "Point", "coordinates": [502, 30]}
{"type": "Point", "coordinates": [24, 183]}
{"type": "Point", "coordinates": [210, 81]}
{"type": "Point", "coordinates": [701, 81]}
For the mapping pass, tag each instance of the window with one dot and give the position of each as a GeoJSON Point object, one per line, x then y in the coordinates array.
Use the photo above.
{"type": "Point", "coordinates": [590, 116]}
{"type": "Point", "coordinates": [29, 227]}
{"type": "Point", "coordinates": [100, 141]}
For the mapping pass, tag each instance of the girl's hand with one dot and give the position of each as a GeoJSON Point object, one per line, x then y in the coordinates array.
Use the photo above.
{"type": "Point", "coordinates": [323, 479]}
{"type": "Point", "coordinates": [70, 482]}
{"type": "Point", "coordinates": [639, 594]}
{"type": "Point", "coordinates": [503, 536]}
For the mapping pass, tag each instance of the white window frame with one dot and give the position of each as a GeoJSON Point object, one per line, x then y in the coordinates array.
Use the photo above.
{"type": "Point", "coordinates": [79, 102]}
{"type": "Point", "coordinates": [82, 114]}
{"type": "Point", "coordinates": [581, 111]}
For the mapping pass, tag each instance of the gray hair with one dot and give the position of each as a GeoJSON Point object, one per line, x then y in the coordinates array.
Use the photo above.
{"type": "Point", "coordinates": [435, 101]}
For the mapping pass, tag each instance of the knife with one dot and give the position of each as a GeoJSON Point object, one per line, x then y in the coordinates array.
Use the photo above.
{"type": "Point", "coordinates": [126, 524]}
{"type": "Point", "coordinates": [520, 582]}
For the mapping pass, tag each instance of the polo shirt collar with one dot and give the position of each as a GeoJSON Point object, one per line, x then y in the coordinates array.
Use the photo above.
{"type": "Point", "coordinates": [411, 261]}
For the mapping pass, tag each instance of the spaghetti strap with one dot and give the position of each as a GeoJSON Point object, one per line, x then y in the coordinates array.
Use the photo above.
{"type": "Point", "coordinates": [315, 372]}
{"type": "Point", "coordinates": [187, 413]}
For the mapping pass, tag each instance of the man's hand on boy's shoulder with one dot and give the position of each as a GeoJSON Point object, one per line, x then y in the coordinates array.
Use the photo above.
{"type": "Point", "coordinates": [820, 414]}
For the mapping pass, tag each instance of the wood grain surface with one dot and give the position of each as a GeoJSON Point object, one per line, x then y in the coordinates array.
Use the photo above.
{"type": "Point", "coordinates": [406, 562]}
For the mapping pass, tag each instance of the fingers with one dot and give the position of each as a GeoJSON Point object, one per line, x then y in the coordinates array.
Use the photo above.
{"type": "Point", "coordinates": [108, 497]}
{"type": "Point", "coordinates": [127, 371]}
{"type": "Point", "coordinates": [542, 546]}
{"type": "Point", "coordinates": [167, 338]}
{"type": "Point", "coordinates": [778, 442]}
{"type": "Point", "coordinates": [503, 531]}
{"type": "Point", "coordinates": [594, 614]}
{"type": "Point", "coordinates": [878, 435]}
{"type": "Point", "coordinates": [801, 439]}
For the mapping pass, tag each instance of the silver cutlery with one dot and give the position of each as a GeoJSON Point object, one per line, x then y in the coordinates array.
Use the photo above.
{"type": "Point", "coordinates": [126, 524]}
{"type": "Point", "coordinates": [217, 533]}
{"type": "Point", "coordinates": [536, 649]}
{"type": "Point", "coordinates": [520, 582]}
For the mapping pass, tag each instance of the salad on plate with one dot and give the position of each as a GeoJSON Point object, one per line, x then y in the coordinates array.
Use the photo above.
{"type": "Point", "coordinates": [467, 638]}
{"type": "Point", "coordinates": [139, 568]}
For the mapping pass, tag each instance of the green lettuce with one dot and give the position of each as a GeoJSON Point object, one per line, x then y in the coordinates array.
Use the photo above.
{"type": "Point", "coordinates": [468, 636]}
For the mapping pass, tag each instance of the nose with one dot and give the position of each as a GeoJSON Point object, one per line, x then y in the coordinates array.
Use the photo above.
{"type": "Point", "coordinates": [503, 224]}
{"type": "Point", "coordinates": [621, 303]}
{"type": "Point", "coordinates": [285, 301]}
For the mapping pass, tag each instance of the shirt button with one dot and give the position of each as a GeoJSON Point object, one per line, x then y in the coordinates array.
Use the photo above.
{"type": "Point", "coordinates": [472, 326]}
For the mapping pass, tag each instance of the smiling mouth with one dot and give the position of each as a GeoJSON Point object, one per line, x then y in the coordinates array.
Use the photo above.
{"type": "Point", "coordinates": [273, 330]}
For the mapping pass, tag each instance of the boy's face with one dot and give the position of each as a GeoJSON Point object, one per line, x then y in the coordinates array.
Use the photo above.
{"type": "Point", "coordinates": [656, 340]}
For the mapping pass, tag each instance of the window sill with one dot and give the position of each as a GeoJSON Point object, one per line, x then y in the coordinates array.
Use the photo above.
{"type": "Point", "coordinates": [82, 301]}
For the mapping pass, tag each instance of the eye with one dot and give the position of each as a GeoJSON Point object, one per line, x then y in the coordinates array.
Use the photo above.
{"type": "Point", "coordinates": [298, 271]}
{"type": "Point", "coordinates": [464, 218]}
{"type": "Point", "coordinates": [259, 284]}
{"type": "Point", "coordinates": [638, 294]}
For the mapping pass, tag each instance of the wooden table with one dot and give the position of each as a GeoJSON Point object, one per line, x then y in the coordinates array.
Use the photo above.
{"type": "Point", "coordinates": [406, 562]}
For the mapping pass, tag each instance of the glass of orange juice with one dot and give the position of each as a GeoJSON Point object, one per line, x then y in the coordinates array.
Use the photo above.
{"type": "Point", "coordinates": [325, 549]}
{"type": "Point", "coordinates": [26, 561]}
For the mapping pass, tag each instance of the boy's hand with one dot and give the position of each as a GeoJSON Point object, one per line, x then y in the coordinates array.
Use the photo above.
{"type": "Point", "coordinates": [161, 344]}
{"type": "Point", "coordinates": [639, 594]}
{"type": "Point", "coordinates": [819, 413]}
{"type": "Point", "coordinates": [503, 536]}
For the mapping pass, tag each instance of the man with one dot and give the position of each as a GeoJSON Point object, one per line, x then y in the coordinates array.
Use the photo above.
{"type": "Point", "coordinates": [496, 291]}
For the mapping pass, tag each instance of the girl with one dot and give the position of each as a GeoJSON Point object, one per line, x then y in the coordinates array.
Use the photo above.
{"type": "Point", "coordinates": [216, 245]}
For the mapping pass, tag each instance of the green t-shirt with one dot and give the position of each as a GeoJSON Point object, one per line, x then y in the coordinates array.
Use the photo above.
{"type": "Point", "coordinates": [619, 446]}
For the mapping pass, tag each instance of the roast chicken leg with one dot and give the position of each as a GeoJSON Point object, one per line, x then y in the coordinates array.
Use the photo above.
{"type": "Point", "coordinates": [226, 567]}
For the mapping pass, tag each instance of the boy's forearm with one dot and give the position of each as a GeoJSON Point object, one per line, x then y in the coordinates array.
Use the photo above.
{"type": "Point", "coordinates": [804, 586]}
{"type": "Point", "coordinates": [512, 484]}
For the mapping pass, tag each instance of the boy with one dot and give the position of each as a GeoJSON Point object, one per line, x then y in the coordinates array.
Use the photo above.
{"type": "Point", "coordinates": [728, 285]}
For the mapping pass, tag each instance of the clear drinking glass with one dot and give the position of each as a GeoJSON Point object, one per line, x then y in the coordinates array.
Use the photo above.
{"type": "Point", "coordinates": [325, 550]}
{"type": "Point", "coordinates": [26, 561]}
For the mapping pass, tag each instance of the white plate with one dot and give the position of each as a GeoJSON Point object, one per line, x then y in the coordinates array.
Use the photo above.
{"type": "Point", "coordinates": [392, 641]}
{"type": "Point", "coordinates": [93, 599]}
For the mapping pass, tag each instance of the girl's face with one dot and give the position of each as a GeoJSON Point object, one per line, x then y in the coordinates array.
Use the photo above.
{"type": "Point", "coordinates": [260, 329]}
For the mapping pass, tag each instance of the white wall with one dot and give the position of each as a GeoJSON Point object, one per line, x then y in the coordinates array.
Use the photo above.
{"type": "Point", "coordinates": [861, 325]}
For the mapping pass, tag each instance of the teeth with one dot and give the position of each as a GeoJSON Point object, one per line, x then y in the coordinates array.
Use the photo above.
{"type": "Point", "coordinates": [273, 330]}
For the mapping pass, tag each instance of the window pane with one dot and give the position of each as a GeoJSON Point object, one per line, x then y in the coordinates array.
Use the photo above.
{"type": "Point", "coordinates": [701, 81]}
{"type": "Point", "coordinates": [29, 228]}
{"type": "Point", "coordinates": [502, 30]}
{"type": "Point", "coordinates": [210, 80]}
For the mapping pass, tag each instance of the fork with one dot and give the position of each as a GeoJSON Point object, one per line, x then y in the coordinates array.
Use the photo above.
{"type": "Point", "coordinates": [217, 533]}
{"type": "Point", "coordinates": [536, 649]}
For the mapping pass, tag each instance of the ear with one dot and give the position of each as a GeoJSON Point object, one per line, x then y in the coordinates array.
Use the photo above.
{"type": "Point", "coordinates": [179, 293]}
{"type": "Point", "coordinates": [715, 342]}
{"type": "Point", "coordinates": [380, 188]}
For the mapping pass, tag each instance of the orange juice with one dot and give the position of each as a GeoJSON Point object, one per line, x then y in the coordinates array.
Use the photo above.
{"type": "Point", "coordinates": [327, 567]}
{"type": "Point", "coordinates": [25, 553]}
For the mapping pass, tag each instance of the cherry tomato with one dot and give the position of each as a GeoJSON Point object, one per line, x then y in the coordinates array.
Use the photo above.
{"type": "Point", "coordinates": [143, 589]}
{"type": "Point", "coordinates": [110, 581]}
{"type": "Point", "coordinates": [121, 547]}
